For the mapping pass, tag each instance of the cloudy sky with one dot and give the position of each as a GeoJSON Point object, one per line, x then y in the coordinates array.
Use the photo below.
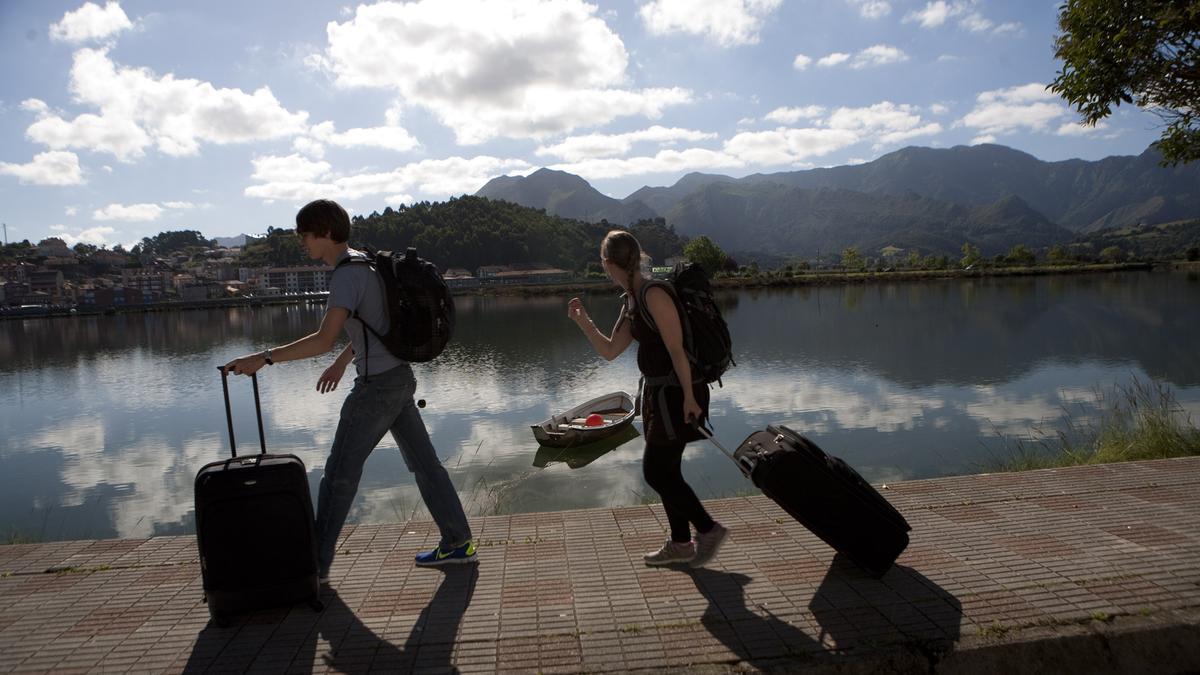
{"type": "Point", "coordinates": [120, 120]}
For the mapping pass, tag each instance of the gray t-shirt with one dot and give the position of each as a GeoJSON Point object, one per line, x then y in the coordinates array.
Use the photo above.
{"type": "Point", "coordinates": [359, 287]}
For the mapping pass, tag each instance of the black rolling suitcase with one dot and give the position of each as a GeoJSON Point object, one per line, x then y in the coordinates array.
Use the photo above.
{"type": "Point", "coordinates": [254, 529]}
{"type": "Point", "coordinates": [825, 495]}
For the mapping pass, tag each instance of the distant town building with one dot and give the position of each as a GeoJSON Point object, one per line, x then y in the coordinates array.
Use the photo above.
{"type": "Point", "coordinates": [18, 272]}
{"type": "Point", "coordinates": [152, 283]}
{"type": "Point", "coordinates": [198, 291]}
{"type": "Point", "coordinates": [181, 280]}
{"type": "Point", "coordinates": [521, 273]}
{"type": "Point", "coordinates": [457, 277]}
{"type": "Point", "coordinates": [61, 261]}
{"type": "Point", "coordinates": [313, 279]}
{"type": "Point", "coordinates": [14, 292]}
{"type": "Point", "coordinates": [49, 282]}
{"type": "Point", "coordinates": [223, 270]}
{"type": "Point", "coordinates": [100, 297]}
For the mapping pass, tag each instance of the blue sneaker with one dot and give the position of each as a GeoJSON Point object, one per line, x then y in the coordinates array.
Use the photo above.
{"type": "Point", "coordinates": [436, 557]}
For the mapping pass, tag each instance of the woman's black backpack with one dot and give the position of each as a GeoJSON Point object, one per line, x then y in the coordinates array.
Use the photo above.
{"type": "Point", "coordinates": [705, 335]}
{"type": "Point", "coordinates": [420, 308]}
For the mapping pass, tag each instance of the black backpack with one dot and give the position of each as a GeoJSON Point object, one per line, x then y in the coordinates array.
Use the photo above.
{"type": "Point", "coordinates": [705, 335]}
{"type": "Point", "coordinates": [420, 308]}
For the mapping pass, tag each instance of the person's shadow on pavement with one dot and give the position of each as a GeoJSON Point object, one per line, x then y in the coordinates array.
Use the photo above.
{"type": "Point", "coordinates": [853, 613]}
{"type": "Point", "coordinates": [855, 610]}
{"type": "Point", "coordinates": [761, 641]}
{"type": "Point", "coordinates": [282, 640]}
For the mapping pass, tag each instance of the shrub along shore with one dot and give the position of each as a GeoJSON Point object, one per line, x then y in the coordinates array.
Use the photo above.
{"type": "Point", "coordinates": [1134, 422]}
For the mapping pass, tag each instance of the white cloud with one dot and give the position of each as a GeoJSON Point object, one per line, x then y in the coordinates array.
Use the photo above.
{"type": "Point", "coordinates": [432, 179]}
{"type": "Point", "coordinates": [984, 138]}
{"type": "Point", "coordinates": [833, 59]}
{"type": "Point", "coordinates": [1002, 111]}
{"type": "Point", "coordinates": [129, 212]}
{"type": "Point", "coordinates": [139, 108]}
{"type": "Point", "coordinates": [726, 22]}
{"type": "Point", "coordinates": [883, 123]}
{"type": "Point", "coordinates": [932, 15]}
{"type": "Point", "coordinates": [309, 146]}
{"type": "Point", "coordinates": [179, 205]}
{"type": "Point", "coordinates": [793, 115]}
{"type": "Point", "coordinates": [117, 136]}
{"type": "Point", "coordinates": [520, 69]}
{"type": "Point", "coordinates": [96, 236]}
{"type": "Point", "coordinates": [875, 55]}
{"type": "Point", "coordinates": [47, 168]}
{"type": "Point", "coordinates": [71, 210]}
{"type": "Point", "coordinates": [1077, 129]}
{"type": "Point", "coordinates": [290, 169]}
{"type": "Point", "coordinates": [938, 109]}
{"type": "Point", "coordinates": [871, 9]}
{"type": "Point", "coordinates": [578, 148]}
{"type": "Point", "coordinates": [91, 22]}
{"type": "Point", "coordinates": [938, 12]}
{"type": "Point", "coordinates": [788, 146]}
{"type": "Point", "coordinates": [390, 137]}
{"type": "Point", "coordinates": [975, 22]}
{"type": "Point", "coordinates": [801, 62]}
{"type": "Point", "coordinates": [878, 55]}
{"type": "Point", "coordinates": [665, 161]}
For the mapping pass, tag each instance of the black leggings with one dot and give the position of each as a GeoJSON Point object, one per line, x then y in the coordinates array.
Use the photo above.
{"type": "Point", "coordinates": [662, 468]}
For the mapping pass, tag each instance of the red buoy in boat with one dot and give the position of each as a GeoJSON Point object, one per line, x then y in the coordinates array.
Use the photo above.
{"type": "Point", "coordinates": [594, 420]}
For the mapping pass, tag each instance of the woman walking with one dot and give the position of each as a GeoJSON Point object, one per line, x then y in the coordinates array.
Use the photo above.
{"type": "Point", "coordinates": [671, 404]}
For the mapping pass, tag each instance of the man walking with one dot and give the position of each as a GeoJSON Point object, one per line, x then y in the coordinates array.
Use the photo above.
{"type": "Point", "coordinates": [381, 400]}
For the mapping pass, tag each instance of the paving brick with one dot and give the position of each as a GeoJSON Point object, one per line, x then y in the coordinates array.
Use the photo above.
{"type": "Point", "coordinates": [988, 553]}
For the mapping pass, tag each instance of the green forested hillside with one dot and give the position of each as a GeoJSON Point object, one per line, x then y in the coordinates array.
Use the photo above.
{"type": "Point", "coordinates": [472, 231]}
{"type": "Point", "coordinates": [793, 221]}
{"type": "Point", "coordinates": [1165, 241]}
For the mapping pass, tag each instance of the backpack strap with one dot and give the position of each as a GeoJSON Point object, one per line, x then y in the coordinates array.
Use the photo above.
{"type": "Point", "coordinates": [369, 262]}
{"type": "Point", "coordinates": [684, 325]}
{"type": "Point", "coordinates": [645, 311]}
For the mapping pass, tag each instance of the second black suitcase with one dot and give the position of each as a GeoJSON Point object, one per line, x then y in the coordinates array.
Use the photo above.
{"type": "Point", "coordinates": [825, 495]}
{"type": "Point", "coordinates": [255, 529]}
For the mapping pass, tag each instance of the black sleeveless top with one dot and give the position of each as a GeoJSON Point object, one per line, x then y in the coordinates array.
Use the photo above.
{"type": "Point", "coordinates": [654, 360]}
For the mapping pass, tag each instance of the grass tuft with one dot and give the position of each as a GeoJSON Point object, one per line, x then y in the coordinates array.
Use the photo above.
{"type": "Point", "coordinates": [1138, 421]}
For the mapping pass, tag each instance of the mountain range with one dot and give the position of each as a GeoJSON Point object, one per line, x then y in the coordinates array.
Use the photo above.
{"type": "Point", "coordinates": [930, 199]}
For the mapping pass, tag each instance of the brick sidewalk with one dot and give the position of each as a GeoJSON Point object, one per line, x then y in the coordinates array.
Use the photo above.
{"type": "Point", "coordinates": [997, 562]}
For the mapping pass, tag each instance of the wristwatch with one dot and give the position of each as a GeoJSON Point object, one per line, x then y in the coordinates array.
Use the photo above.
{"type": "Point", "coordinates": [267, 357]}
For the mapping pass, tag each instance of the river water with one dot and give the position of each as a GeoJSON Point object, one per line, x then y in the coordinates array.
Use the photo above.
{"type": "Point", "coordinates": [104, 421]}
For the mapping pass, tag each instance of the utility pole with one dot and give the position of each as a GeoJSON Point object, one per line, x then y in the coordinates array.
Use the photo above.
{"type": "Point", "coordinates": [6, 234]}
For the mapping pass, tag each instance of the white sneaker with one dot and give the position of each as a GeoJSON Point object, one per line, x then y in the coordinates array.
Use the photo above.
{"type": "Point", "coordinates": [708, 543]}
{"type": "Point", "coordinates": [671, 552]}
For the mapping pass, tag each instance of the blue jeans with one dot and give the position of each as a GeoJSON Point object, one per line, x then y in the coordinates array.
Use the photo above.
{"type": "Point", "coordinates": [384, 402]}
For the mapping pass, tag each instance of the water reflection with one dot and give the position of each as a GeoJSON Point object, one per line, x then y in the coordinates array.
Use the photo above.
{"type": "Point", "coordinates": [104, 421]}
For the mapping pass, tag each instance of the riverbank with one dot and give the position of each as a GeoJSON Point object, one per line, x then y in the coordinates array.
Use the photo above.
{"type": "Point", "coordinates": [1085, 569]}
{"type": "Point", "coordinates": [765, 280]}
{"type": "Point", "coordinates": [836, 277]}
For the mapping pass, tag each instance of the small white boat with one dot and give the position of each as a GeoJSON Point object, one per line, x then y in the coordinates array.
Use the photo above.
{"type": "Point", "coordinates": [570, 429]}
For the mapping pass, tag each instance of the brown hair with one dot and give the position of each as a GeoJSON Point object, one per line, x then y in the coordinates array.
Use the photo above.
{"type": "Point", "coordinates": [324, 218]}
{"type": "Point", "coordinates": [623, 250]}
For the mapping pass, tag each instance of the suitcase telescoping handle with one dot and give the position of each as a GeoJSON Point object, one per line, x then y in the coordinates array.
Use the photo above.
{"type": "Point", "coordinates": [262, 439]}
{"type": "Point", "coordinates": [745, 467]}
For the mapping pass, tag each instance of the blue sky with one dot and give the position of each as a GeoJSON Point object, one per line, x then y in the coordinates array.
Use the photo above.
{"type": "Point", "coordinates": [119, 120]}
